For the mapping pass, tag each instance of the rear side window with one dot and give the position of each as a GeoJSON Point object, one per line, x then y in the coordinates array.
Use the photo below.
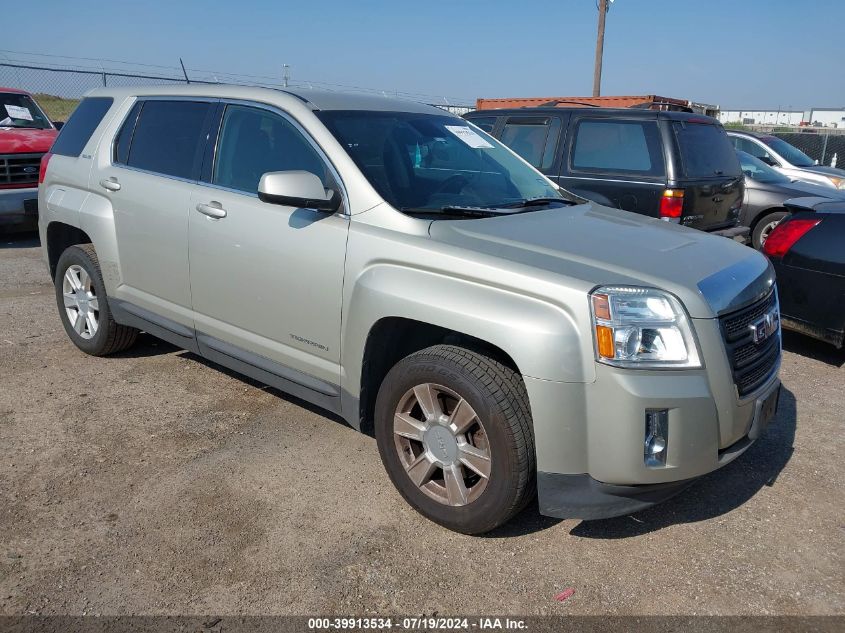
{"type": "Point", "coordinates": [486, 123]}
{"type": "Point", "coordinates": [623, 147]}
{"type": "Point", "coordinates": [533, 138]}
{"type": "Point", "coordinates": [81, 125]}
{"type": "Point", "coordinates": [706, 151]}
{"type": "Point", "coordinates": [168, 137]}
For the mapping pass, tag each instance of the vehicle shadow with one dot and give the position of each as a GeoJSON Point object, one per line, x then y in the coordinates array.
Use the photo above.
{"type": "Point", "coordinates": [813, 348]}
{"type": "Point", "coordinates": [717, 493]}
{"type": "Point", "coordinates": [260, 385]}
{"type": "Point", "coordinates": [28, 239]}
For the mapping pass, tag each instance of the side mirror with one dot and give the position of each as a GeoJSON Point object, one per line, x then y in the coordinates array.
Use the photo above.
{"type": "Point", "coordinates": [768, 160]}
{"type": "Point", "coordinates": [58, 124]}
{"type": "Point", "coordinates": [300, 189]}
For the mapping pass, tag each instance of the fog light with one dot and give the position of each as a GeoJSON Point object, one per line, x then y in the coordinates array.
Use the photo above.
{"type": "Point", "coordinates": [656, 437]}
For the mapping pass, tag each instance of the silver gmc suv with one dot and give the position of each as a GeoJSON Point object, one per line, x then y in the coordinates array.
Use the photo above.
{"type": "Point", "coordinates": [396, 265]}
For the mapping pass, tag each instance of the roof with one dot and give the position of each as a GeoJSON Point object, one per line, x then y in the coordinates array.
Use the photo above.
{"type": "Point", "coordinates": [627, 113]}
{"type": "Point", "coordinates": [563, 102]}
{"type": "Point", "coordinates": [313, 99]}
{"type": "Point", "coordinates": [16, 91]}
{"type": "Point", "coordinates": [749, 133]}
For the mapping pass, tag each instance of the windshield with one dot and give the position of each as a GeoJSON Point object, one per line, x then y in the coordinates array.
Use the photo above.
{"type": "Point", "coordinates": [759, 171]}
{"type": "Point", "coordinates": [706, 150]}
{"type": "Point", "coordinates": [17, 110]}
{"type": "Point", "coordinates": [791, 153]}
{"type": "Point", "coordinates": [425, 162]}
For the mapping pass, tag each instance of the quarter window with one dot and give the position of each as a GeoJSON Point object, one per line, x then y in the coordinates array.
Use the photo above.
{"type": "Point", "coordinates": [618, 147]}
{"type": "Point", "coordinates": [169, 138]}
{"type": "Point", "coordinates": [81, 125]}
{"type": "Point", "coordinates": [255, 141]}
{"type": "Point", "coordinates": [533, 138]}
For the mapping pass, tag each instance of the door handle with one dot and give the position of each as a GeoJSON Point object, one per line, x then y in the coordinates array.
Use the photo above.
{"type": "Point", "coordinates": [110, 183]}
{"type": "Point", "coordinates": [213, 209]}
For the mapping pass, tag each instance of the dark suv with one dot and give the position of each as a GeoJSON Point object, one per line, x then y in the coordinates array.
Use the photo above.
{"type": "Point", "coordinates": [677, 166]}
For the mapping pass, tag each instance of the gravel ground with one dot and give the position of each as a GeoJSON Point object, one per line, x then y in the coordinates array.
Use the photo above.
{"type": "Point", "coordinates": [153, 482]}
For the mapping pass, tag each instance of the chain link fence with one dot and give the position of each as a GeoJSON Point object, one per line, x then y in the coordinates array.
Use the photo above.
{"type": "Point", "coordinates": [827, 148]}
{"type": "Point", "coordinates": [59, 89]}
{"type": "Point", "coordinates": [826, 145]}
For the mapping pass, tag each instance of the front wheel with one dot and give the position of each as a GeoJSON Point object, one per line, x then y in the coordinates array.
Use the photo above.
{"type": "Point", "coordinates": [765, 226]}
{"type": "Point", "coordinates": [454, 433]}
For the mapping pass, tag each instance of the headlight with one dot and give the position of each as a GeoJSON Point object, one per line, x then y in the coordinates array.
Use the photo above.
{"type": "Point", "coordinates": [839, 183]}
{"type": "Point", "coordinates": [642, 327]}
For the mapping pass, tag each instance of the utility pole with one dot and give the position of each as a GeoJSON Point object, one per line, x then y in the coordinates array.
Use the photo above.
{"type": "Point", "coordinates": [603, 6]}
{"type": "Point", "coordinates": [287, 73]}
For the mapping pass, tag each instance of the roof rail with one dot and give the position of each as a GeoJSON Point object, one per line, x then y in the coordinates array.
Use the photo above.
{"type": "Point", "coordinates": [554, 103]}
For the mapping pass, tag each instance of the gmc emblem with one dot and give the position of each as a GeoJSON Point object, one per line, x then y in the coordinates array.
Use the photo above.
{"type": "Point", "coordinates": [766, 326]}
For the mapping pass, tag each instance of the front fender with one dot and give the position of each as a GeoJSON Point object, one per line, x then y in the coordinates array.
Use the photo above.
{"type": "Point", "coordinates": [545, 340]}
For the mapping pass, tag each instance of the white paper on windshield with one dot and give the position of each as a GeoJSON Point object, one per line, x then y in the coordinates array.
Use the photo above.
{"type": "Point", "coordinates": [17, 112]}
{"type": "Point", "coordinates": [468, 136]}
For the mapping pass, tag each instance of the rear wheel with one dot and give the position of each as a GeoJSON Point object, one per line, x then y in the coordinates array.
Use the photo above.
{"type": "Point", "coordinates": [764, 226]}
{"type": "Point", "coordinates": [454, 432]}
{"type": "Point", "coordinates": [84, 306]}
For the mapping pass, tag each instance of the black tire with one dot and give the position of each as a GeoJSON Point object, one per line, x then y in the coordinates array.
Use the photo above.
{"type": "Point", "coordinates": [498, 396]}
{"type": "Point", "coordinates": [110, 337]}
{"type": "Point", "coordinates": [757, 235]}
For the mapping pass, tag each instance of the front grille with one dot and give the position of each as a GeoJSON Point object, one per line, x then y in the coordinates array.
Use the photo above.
{"type": "Point", "coordinates": [752, 363]}
{"type": "Point", "coordinates": [19, 169]}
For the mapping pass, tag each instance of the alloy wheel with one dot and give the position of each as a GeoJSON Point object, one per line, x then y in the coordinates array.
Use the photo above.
{"type": "Point", "coordinates": [80, 301]}
{"type": "Point", "coordinates": [442, 444]}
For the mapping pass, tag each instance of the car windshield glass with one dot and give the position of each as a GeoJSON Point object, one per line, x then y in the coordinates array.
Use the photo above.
{"type": "Point", "coordinates": [17, 110]}
{"type": "Point", "coordinates": [759, 171]}
{"type": "Point", "coordinates": [706, 150]}
{"type": "Point", "coordinates": [425, 162]}
{"type": "Point", "coordinates": [791, 153]}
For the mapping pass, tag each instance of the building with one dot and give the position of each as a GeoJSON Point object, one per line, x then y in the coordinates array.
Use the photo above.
{"type": "Point", "coordinates": [826, 117]}
{"type": "Point", "coordinates": [762, 117]}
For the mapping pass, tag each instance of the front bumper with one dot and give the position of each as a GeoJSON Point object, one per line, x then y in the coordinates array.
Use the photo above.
{"type": "Point", "coordinates": [19, 208]}
{"type": "Point", "coordinates": [590, 437]}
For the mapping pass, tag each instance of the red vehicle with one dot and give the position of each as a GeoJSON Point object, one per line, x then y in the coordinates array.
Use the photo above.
{"type": "Point", "coordinates": [26, 134]}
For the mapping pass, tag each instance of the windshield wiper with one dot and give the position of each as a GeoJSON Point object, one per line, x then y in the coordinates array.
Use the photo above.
{"type": "Point", "coordinates": [533, 202]}
{"type": "Point", "coordinates": [480, 212]}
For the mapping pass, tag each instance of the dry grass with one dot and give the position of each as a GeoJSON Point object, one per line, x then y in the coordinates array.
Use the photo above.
{"type": "Point", "coordinates": [57, 108]}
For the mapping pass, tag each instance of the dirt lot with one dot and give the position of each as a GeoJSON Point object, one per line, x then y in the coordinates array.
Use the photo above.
{"type": "Point", "coordinates": [155, 483]}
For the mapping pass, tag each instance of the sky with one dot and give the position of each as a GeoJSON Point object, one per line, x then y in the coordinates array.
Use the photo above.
{"type": "Point", "coordinates": [749, 54]}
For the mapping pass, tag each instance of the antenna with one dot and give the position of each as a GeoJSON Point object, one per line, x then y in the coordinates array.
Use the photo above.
{"type": "Point", "coordinates": [286, 68]}
{"type": "Point", "coordinates": [184, 72]}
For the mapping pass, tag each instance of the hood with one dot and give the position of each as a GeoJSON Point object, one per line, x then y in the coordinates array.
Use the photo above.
{"type": "Point", "coordinates": [602, 246]}
{"type": "Point", "coordinates": [26, 141]}
{"type": "Point", "coordinates": [827, 171]}
{"type": "Point", "coordinates": [797, 189]}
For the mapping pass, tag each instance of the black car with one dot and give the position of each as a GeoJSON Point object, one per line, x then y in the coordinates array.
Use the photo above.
{"type": "Point", "coordinates": [677, 166]}
{"type": "Point", "coordinates": [766, 190]}
{"type": "Point", "coordinates": [807, 251]}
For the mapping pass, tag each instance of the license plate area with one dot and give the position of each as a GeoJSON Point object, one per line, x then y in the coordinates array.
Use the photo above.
{"type": "Point", "coordinates": [764, 412]}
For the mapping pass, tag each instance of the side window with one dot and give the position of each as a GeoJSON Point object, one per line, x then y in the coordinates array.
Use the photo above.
{"type": "Point", "coordinates": [255, 141]}
{"type": "Point", "coordinates": [168, 137]}
{"type": "Point", "coordinates": [533, 138]}
{"type": "Point", "coordinates": [81, 125]}
{"type": "Point", "coordinates": [753, 148]}
{"type": "Point", "coordinates": [124, 136]}
{"type": "Point", "coordinates": [631, 147]}
{"type": "Point", "coordinates": [486, 123]}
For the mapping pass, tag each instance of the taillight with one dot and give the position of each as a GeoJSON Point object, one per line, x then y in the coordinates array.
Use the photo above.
{"type": "Point", "coordinates": [42, 168]}
{"type": "Point", "coordinates": [672, 204]}
{"type": "Point", "coordinates": [785, 234]}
